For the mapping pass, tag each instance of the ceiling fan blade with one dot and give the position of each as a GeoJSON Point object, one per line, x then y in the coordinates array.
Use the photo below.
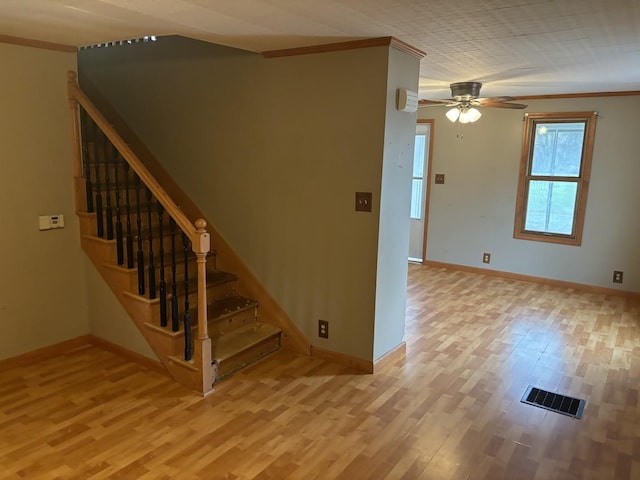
{"type": "Point", "coordinates": [515, 106]}
{"type": "Point", "coordinates": [438, 102]}
{"type": "Point", "coordinates": [494, 99]}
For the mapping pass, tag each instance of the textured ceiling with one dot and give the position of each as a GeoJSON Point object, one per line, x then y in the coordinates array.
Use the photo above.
{"type": "Point", "coordinates": [516, 47]}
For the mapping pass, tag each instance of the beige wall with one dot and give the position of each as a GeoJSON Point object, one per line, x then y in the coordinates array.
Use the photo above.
{"type": "Point", "coordinates": [395, 203]}
{"type": "Point", "coordinates": [273, 152]}
{"type": "Point", "coordinates": [42, 295]}
{"type": "Point", "coordinates": [474, 211]}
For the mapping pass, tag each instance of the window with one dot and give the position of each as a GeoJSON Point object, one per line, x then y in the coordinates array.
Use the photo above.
{"type": "Point", "coordinates": [417, 185]}
{"type": "Point", "coordinates": [554, 176]}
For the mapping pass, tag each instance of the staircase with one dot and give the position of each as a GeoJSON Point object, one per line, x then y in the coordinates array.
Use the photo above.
{"type": "Point", "coordinates": [158, 262]}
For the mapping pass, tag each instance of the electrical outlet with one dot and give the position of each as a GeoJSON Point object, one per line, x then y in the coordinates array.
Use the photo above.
{"type": "Point", "coordinates": [617, 276]}
{"type": "Point", "coordinates": [439, 178]}
{"type": "Point", "coordinates": [486, 257]}
{"type": "Point", "coordinates": [323, 329]}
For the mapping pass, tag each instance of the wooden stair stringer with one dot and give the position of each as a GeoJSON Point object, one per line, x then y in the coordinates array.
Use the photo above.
{"type": "Point", "coordinates": [164, 346]}
{"type": "Point", "coordinates": [227, 259]}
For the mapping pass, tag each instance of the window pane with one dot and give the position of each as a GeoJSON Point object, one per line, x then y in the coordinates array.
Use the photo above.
{"type": "Point", "coordinates": [557, 149]}
{"type": "Point", "coordinates": [416, 199]}
{"type": "Point", "coordinates": [551, 207]}
{"type": "Point", "coordinates": [418, 156]}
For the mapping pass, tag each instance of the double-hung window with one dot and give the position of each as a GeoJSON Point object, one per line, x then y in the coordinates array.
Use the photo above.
{"type": "Point", "coordinates": [554, 176]}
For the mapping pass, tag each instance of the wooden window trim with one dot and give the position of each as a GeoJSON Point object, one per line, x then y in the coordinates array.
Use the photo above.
{"type": "Point", "coordinates": [575, 238]}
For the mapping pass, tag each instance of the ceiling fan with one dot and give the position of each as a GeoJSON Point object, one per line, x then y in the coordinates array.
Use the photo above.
{"type": "Point", "coordinates": [466, 98]}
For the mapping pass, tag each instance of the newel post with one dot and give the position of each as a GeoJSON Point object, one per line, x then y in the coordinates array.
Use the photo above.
{"type": "Point", "coordinates": [201, 246]}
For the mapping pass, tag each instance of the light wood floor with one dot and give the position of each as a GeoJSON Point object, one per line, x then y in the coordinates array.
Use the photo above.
{"type": "Point", "coordinates": [449, 410]}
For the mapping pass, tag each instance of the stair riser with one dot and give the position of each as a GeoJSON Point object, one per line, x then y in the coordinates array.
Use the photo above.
{"type": "Point", "coordinates": [247, 357]}
{"type": "Point", "coordinates": [130, 282]}
{"type": "Point", "coordinates": [228, 324]}
{"type": "Point", "coordinates": [179, 267]}
{"type": "Point", "coordinates": [214, 292]}
{"type": "Point", "coordinates": [88, 225]}
{"type": "Point", "coordinates": [100, 252]}
{"type": "Point", "coordinates": [127, 281]}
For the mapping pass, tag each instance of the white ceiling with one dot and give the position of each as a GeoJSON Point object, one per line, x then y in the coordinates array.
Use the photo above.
{"type": "Point", "coordinates": [516, 47]}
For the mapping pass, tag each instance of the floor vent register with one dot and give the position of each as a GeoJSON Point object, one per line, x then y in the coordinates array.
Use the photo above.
{"type": "Point", "coordinates": [573, 407]}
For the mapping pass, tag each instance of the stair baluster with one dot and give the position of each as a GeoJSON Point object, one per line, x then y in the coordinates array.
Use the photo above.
{"type": "Point", "coordinates": [175, 318]}
{"type": "Point", "coordinates": [96, 165]}
{"type": "Point", "coordinates": [84, 122]}
{"type": "Point", "coordinates": [140, 255]}
{"type": "Point", "coordinates": [108, 153]}
{"type": "Point", "coordinates": [127, 201]}
{"type": "Point", "coordinates": [163, 285]}
{"type": "Point", "coordinates": [119, 239]}
{"type": "Point", "coordinates": [188, 354]}
{"type": "Point", "coordinates": [152, 268]}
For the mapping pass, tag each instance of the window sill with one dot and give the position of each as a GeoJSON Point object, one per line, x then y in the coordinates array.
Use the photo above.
{"type": "Point", "coordinates": [541, 237]}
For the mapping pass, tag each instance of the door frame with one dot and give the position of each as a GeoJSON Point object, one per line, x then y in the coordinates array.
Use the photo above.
{"type": "Point", "coordinates": [428, 183]}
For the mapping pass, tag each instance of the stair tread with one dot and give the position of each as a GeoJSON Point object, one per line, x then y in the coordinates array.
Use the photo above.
{"type": "Point", "coordinates": [241, 339]}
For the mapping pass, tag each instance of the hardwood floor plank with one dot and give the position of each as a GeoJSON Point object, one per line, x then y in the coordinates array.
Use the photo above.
{"type": "Point", "coordinates": [448, 408]}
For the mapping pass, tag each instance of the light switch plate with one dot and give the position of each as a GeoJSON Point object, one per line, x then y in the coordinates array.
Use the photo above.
{"type": "Point", "coordinates": [363, 201]}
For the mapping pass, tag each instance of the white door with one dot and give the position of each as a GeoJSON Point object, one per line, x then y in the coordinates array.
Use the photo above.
{"type": "Point", "coordinates": [419, 187]}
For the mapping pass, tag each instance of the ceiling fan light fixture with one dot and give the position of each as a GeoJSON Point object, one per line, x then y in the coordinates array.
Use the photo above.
{"type": "Point", "coordinates": [453, 114]}
{"type": "Point", "coordinates": [463, 114]}
{"type": "Point", "coordinates": [471, 115]}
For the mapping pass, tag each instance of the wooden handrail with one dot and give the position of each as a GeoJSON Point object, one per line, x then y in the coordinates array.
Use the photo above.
{"type": "Point", "coordinates": [200, 240]}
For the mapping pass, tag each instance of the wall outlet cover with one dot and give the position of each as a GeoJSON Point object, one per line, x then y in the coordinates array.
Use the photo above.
{"type": "Point", "coordinates": [363, 201]}
{"type": "Point", "coordinates": [323, 328]}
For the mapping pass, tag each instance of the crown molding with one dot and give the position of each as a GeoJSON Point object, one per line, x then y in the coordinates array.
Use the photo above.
{"type": "Point", "coordinates": [351, 45]}
{"type": "Point", "coordinates": [579, 95]}
{"type": "Point", "coordinates": [28, 42]}
{"type": "Point", "coordinates": [559, 96]}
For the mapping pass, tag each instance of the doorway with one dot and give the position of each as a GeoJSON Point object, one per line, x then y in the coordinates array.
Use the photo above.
{"type": "Point", "coordinates": [420, 191]}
